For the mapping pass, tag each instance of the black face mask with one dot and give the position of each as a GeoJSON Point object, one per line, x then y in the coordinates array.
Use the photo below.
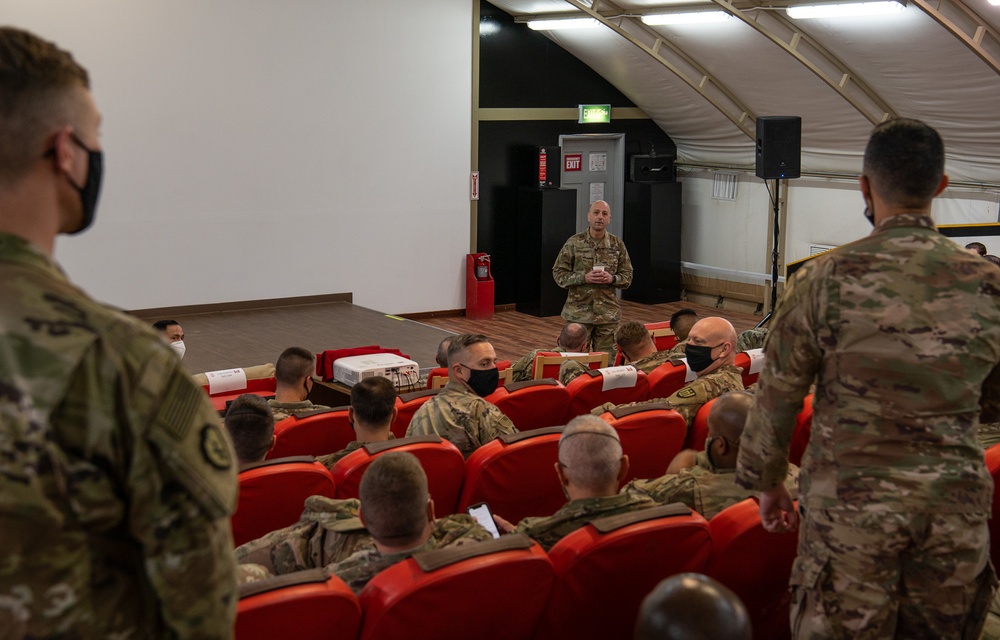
{"type": "Point", "coordinates": [91, 189]}
{"type": "Point", "coordinates": [483, 381]}
{"type": "Point", "coordinates": [699, 357]}
{"type": "Point", "coordinates": [869, 216]}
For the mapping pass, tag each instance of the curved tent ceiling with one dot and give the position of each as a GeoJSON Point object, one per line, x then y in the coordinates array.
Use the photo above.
{"type": "Point", "coordinates": [704, 84]}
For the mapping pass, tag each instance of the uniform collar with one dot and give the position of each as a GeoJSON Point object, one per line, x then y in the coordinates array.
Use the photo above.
{"type": "Point", "coordinates": [16, 249]}
{"type": "Point", "coordinates": [907, 220]}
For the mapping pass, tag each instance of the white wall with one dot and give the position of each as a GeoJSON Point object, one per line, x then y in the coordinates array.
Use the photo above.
{"type": "Point", "coordinates": [733, 235]}
{"type": "Point", "coordinates": [258, 149]}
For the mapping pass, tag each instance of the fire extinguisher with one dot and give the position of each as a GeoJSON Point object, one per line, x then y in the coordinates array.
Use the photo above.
{"type": "Point", "coordinates": [483, 267]}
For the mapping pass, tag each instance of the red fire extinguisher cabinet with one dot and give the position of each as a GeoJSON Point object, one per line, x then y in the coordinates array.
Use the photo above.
{"type": "Point", "coordinates": [478, 287]}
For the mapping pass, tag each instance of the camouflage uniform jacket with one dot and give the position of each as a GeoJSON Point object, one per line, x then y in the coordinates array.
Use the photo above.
{"type": "Point", "coordinates": [116, 482]}
{"type": "Point", "coordinates": [330, 459]}
{"type": "Point", "coordinates": [901, 330]}
{"type": "Point", "coordinates": [548, 530]}
{"type": "Point", "coordinates": [704, 487]}
{"type": "Point", "coordinates": [687, 400]}
{"type": "Point", "coordinates": [460, 416]}
{"type": "Point", "coordinates": [455, 530]}
{"type": "Point", "coordinates": [522, 370]}
{"type": "Point", "coordinates": [328, 531]}
{"type": "Point", "coordinates": [284, 410]}
{"type": "Point", "coordinates": [571, 369]}
{"type": "Point", "coordinates": [751, 339]}
{"type": "Point", "coordinates": [592, 303]}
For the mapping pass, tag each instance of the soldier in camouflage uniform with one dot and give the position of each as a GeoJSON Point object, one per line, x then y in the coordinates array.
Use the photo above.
{"type": "Point", "coordinates": [591, 467]}
{"type": "Point", "coordinates": [572, 339]}
{"type": "Point", "coordinates": [710, 354]}
{"type": "Point", "coordinates": [355, 542]}
{"type": "Point", "coordinates": [634, 342]}
{"type": "Point", "coordinates": [372, 411]}
{"type": "Point", "coordinates": [250, 425]}
{"type": "Point", "coordinates": [116, 481]}
{"type": "Point", "coordinates": [459, 413]}
{"type": "Point", "coordinates": [293, 383]}
{"type": "Point", "coordinates": [751, 339]}
{"type": "Point", "coordinates": [901, 331]}
{"type": "Point", "coordinates": [591, 298]}
{"type": "Point", "coordinates": [706, 480]}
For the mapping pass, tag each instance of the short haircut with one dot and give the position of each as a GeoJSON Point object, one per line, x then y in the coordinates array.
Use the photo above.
{"type": "Point", "coordinates": [161, 325]}
{"type": "Point", "coordinates": [690, 606]}
{"type": "Point", "coordinates": [631, 334]}
{"type": "Point", "coordinates": [729, 413]}
{"type": "Point", "coordinates": [573, 336]}
{"type": "Point", "coordinates": [442, 353]}
{"type": "Point", "coordinates": [38, 82]}
{"type": "Point", "coordinates": [373, 400]}
{"type": "Point", "coordinates": [590, 453]}
{"type": "Point", "coordinates": [394, 498]}
{"type": "Point", "coordinates": [680, 313]}
{"type": "Point", "coordinates": [682, 321]}
{"type": "Point", "coordinates": [294, 364]}
{"type": "Point", "coordinates": [978, 246]}
{"type": "Point", "coordinates": [904, 162]}
{"type": "Point", "coordinates": [461, 342]}
{"type": "Point", "coordinates": [250, 424]}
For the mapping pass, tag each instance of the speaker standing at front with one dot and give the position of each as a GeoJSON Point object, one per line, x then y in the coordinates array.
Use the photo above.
{"type": "Point", "coordinates": [779, 144]}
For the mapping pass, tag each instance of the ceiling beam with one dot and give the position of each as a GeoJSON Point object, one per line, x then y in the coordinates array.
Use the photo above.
{"type": "Point", "coordinates": [942, 12]}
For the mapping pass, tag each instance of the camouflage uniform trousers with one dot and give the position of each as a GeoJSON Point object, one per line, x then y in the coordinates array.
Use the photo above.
{"type": "Point", "coordinates": [602, 338]}
{"type": "Point", "coordinates": [912, 575]}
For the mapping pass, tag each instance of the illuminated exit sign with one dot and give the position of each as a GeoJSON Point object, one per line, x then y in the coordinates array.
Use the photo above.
{"type": "Point", "coordinates": [595, 113]}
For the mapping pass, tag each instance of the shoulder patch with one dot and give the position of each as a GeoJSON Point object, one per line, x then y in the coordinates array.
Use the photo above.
{"type": "Point", "coordinates": [213, 447]}
{"type": "Point", "coordinates": [686, 392]}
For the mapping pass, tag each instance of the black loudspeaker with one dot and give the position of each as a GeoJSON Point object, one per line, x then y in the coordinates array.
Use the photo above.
{"type": "Point", "coordinates": [651, 169]}
{"type": "Point", "coordinates": [779, 147]}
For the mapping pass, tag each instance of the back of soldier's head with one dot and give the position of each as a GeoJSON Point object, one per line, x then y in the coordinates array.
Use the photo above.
{"type": "Point", "coordinates": [294, 364]}
{"type": "Point", "coordinates": [373, 400]}
{"type": "Point", "coordinates": [441, 357]}
{"type": "Point", "coordinates": [590, 453]}
{"type": "Point", "coordinates": [681, 322]}
{"type": "Point", "coordinates": [394, 497]}
{"type": "Point", "coordinates": [904, 162]}
{"type": "Point", "coordinates": [692, 606]}
{"type": "Point", "coordinates": [632, 335]}
{"type": "Point", "coordinates": [42, 88]}
{"type": "Point", "coordinates": [978, 247]}
{"type": "Point", "coordinates": [250, 425]}
{"type": "Point", "coordinates": [729, 413]}
{"type": "Point", "coordinates": [573, 337]}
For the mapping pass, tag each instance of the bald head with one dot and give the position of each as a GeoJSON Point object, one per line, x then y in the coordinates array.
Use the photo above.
{"type": "Point", "coordinates": [598, 217]}
{"type": "Point", "coordinates": [573, 337]}
{"type": "Point", "coordinates": [718, 336]}
{"type": "Point", "coordinates": [590, 457]}
{"type": "Point", "coordinates": [692, 606]}
{"type": "Point", "coordinates": [729, 414]}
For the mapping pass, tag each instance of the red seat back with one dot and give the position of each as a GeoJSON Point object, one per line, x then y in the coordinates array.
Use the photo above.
{"type": "Point", "coordinates": [755, 564]}
{"type": "Point", "coordinates": [312, 434]}
{"type": "Point", "coordinates": [606, 568]}
{"type": "Point", "coordinates": [993, 465]}
{"type": "Point", "coordinates": [662, 335]}
{"type": "Point", "coordinates": [547, 363]}
{"type": "Point", "coordinates": [441, 460]}
{"type": "Point", "coordinates": [515, 474]}
{"type": "Point", "coordinates": [586, 392]}
{"type": "Point", "coordinates": [746, 360]}
{"type": "Point", "coordinates": [699, 428]}
{"type": "Point", "coordinates": [466, 597]}
{"type": "Point", "coordinates": [273, 492]}
{"type": "Point", "coordinates": [407, 405]}
{"type": "Point", "coordinates": [803, 428]}
{"type": "Point", "coordinates": [651, 436]}
{"type": "Point", "coordinates": [532, 404]}
{"type": "Point", "coordinates": [667, 379]}
{"type": "Point", "coordinates": [306, 604]}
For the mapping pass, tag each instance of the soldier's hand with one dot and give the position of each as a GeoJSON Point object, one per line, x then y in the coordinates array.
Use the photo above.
{"type": "Point", "coordinates": [777, 511]}
{"type": "Point", "coordinates": [502, 524]}
{"type": "Point", "coordinates": [683, 460]}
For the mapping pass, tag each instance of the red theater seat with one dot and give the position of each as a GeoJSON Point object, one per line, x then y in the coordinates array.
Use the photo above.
{"type": "Point", "coordinates": [667, 379]}
{"type": "Point", "coordinates": [273, 492]}
{"type": "Point", "coordinates": [803, 428]}
{"type": "Point", "coordinates": [315, 433]}
{"type": "Point", "coordinates": [407, 405]}
{"type": "Point", "coordinates": [547, 363]}
{"type": "Point", "coordinates": [993, 464]}
{"type": "Point", "coordinates": [586, 392]}
{"type": "Point", "coordinates": [755, 564]}
{"type": "Point", "coordinates": [488, 590]}
{"type": "Point", "coordinates": [606, 568]}
{"type": "Point", "coordinates": [743, 360]}
{"type": "Point", "coordinates": [651, 436]}
{"type": "Point", "coordinates": [305, 605]}
{"type": "Point", "coordinates": [532, 404]}
{"type": "Point", "coordinates": [662, 335]}
{"type": "Point", "coordinates": [515, 474]}
{"type": "Point", "coordinates": [441, 460]}
{"type": "Point", "coordinates": [699, 428]}
{"type": "Point", "coordinates": [438, 377]}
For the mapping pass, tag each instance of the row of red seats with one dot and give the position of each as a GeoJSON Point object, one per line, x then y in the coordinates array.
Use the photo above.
{"type": "Point", "coordinates": [513, 474]}
{"type": "Point", "coordinates": [589, 585]}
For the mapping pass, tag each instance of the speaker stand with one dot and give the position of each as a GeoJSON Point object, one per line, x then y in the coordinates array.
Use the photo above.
{"type": "Point", "coordinates": [774, 254]}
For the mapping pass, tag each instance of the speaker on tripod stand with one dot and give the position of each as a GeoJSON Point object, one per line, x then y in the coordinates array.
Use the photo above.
{"type": "Point", "coordinates": [779, 157]}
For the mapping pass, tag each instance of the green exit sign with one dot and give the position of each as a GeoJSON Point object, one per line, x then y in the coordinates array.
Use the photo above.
{"type": "Point", "coordinates": [594, 113]}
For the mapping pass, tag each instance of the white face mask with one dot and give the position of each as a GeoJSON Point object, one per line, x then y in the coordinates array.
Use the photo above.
{"type": "Point", "coordinates": [178, 347]}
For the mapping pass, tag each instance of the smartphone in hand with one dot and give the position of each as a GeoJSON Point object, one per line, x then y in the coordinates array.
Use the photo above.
{"type": "Point", "coordinates": [481, 512]}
